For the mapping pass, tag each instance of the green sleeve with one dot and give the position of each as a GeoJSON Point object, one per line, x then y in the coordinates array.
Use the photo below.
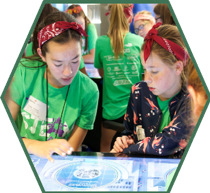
{"type": "Point", "coordinates": [89, 110]}
{"type": "Point", "coordinates": [92, 36]}
{"type": "Point", "coordinates": [82, 64]}
{"type": "Point", "coordinates": [17, 86]}
{"type": "Point", "coordinates": [29, 49]}
{"type": "Point", "coordinates": [97, 60]}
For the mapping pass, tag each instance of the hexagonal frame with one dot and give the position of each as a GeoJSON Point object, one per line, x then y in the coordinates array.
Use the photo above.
{"type": "Point", "coordinates": [96, 1]}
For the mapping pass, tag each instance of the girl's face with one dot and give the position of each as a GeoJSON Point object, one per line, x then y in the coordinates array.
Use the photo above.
{"type": "Point", "coordinates": [158, 18]}
{"type": "Point", "coordinates": [161, 79]}
{"type": "Point", "coordinates": [63, 61]}
{"type": "Point", "coordinates": [142, 27]}
{"type": "Point", "coordinates": [81, 21]}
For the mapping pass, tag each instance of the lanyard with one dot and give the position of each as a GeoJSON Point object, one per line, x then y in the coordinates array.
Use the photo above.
{"type": "Point", "coordinates": [47, 107]}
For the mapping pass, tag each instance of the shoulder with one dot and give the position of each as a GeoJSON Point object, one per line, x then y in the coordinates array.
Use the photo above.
{"type": "Point", "coordinates": [134, 37]}
{"type": "Point", "coordinates": [86, 83]}
{"type": "Point", "coordinates": [91, 28]}
{"type": "Point", "coordinates": [102, 39]}
{"type": "Point", "coordinates": [29, 65]}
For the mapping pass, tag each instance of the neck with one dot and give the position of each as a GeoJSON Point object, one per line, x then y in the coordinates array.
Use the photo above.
{"type": "Point", "coordinates": [172, 92]}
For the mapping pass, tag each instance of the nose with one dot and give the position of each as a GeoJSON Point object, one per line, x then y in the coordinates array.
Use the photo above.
{"type": "Point", "coordinates": [147, 77]}
{"type": "Point", "coordinates": [67, 71]}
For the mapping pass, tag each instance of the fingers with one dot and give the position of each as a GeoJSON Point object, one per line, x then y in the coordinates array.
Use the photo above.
{"type": "Point", "coordinates": [50, 158]}
{"type": "Point", "coordinates": [119, 144]}
{"type": "Point", "coordinates": [64, 147]}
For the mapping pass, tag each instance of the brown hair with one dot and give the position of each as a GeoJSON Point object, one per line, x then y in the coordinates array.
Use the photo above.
{"type": "Point", "coordinates": [87, 21]}
{"type": "Point", "coordinates": [62, 38]}
{"type": "Point", "coordinates": [171, 33]}
{"type": "Point", "coordinates": [165, 14]}
{"type": "Point", "coordinates": [48, 8]}
{"type": "Point", "coordinates": [118, 26]}
{"type": "Point", "coordinates": [195, 82]}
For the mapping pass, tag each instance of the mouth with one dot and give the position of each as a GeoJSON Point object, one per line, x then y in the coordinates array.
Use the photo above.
{"type": "Point", "coordinates": [151, 89]}
{"type": "Point", "coordinates": [66, 79]}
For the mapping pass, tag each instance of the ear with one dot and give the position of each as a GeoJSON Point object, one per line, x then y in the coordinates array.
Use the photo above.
{"type": "Point", "coordinates": [179, 67]}
{"type": "Point", "coordinates": [39, 51]}
{"type": "Point", "coordinates": [130, 19]}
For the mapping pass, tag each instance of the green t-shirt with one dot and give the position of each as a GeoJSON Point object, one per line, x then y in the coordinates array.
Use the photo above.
{"type": "Point", "coordinates": [166, 119]}
{"type": "Point", "coordinates": [92, 37]}
{"type": "Point", "coordinates": [119, 74]}
{"type": "Point", "coordinates": [29, 52]}
{"type": "Point", "coordinates": [80, 108]}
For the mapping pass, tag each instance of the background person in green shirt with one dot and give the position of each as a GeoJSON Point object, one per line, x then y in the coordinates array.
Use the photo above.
{"type": "Point", "coordinates": [88, 47]}
{"type": "Point", "coordinates": [54, 104]}
{"type": "Point", "coordinates": [117, 58]}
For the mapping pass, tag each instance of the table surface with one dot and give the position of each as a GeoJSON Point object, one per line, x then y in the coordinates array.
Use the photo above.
{"type": "Point", "coordinates": [92, 171]}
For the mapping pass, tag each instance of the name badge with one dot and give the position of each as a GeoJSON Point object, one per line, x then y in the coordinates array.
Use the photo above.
{"type": "Point", "coordinates": [140, 132]}
{"type": "Point", "coordinates": [36, 108]}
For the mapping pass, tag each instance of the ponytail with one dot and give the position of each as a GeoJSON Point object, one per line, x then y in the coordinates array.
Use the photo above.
{"type": "Point", "coordinates": [118, 27]}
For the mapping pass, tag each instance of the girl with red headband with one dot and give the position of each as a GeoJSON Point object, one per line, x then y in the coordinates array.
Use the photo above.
{"type": "Point", "coordinates": [143, 22]}
{"type": "Point", "coordinates": [88, 47]}
{"type": "Point", "coordinates": [157, 120]}
{"type": "Point", "coordinates": [31, 48]}
{"type": "Point", "coordinates": [52, 103]}
{"type": "Point", "coordinates": [118, 61]}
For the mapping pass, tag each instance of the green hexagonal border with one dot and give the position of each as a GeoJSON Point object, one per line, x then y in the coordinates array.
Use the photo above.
{"type": "Point", "coordinates": [108, 1]}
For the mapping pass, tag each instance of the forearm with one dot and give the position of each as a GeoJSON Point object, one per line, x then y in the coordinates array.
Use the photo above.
{"type": "Point", "coordinates": [89, 58]}
{"type": "Point", "coordinates": [30, 145]}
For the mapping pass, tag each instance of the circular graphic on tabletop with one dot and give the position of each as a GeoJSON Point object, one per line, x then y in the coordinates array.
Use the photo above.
{"type": "Point", "coordinates": [168, 173]}
{"type": "Point", "coordinates": [86, 175]}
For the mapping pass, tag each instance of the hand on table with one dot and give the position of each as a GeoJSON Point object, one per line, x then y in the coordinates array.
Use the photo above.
{"type": "Point", "coordinates": [122, 143]}
{"type": "Point", "coordinates": [45, 149]}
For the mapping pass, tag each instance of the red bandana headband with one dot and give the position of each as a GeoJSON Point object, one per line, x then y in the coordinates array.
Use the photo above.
{"type": "Point", "coordinates": [172, 47]}
{"type": "Point", "coordinates": [56, 29]}
{"type": "Point", "coordinates": [74, 10]}
{"type": "Point", "coordinates": [128, 11]}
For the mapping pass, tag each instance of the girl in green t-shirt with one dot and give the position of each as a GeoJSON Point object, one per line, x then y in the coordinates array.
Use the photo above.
{"type": "Point", "coordinates": [52, 103]}
{"type": "Point", "coordinates": [118, 61]}
{"type": "Point", "coordinates": [88, 48]}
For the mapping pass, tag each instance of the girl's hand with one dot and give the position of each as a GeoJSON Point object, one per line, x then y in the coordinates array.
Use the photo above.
{"type": "Point", "coordinates": [45, 149]}
{"type": "Point", "coordinates": [122, 143]}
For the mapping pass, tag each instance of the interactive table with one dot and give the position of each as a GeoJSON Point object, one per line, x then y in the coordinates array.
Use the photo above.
{"type": "Point", "coordinates": [104, 172]}
{"type": "Point", "coordinates": [92, 71]}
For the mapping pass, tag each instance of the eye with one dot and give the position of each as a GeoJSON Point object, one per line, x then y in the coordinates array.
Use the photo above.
{"type": "Point", "coordinates": [154, 72]}
{"type": "Point", "coordinates": [75, 62]}
{"type": "Point", "coordinates": [58, 65]}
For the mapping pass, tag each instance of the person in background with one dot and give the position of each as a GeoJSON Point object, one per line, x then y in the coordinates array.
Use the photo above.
{"type": "Point", "coordinates": [158, 107]}
{"type": "Point", "coordinates": [197, 103]}
{"type": "Point", "coordinates": [163, 14]}
{"type": "Point", "coordinates": [88, 49]}
{"type": "Point", "coordinates": [53, 104]}
{"type": "Point", "coordinates": [143, 22]}
{"type": "Point", "coordinates": [137, 8]}
{"type": "Point", "coordinates": [119, 65]}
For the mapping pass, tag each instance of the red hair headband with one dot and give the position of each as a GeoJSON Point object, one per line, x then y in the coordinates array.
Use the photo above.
{"type": "Point", "coordinates": [144, 16]}
{"type": "Point", "coordinates": [128, 11]}
{"type": "Point", "coordinates": [56, 29]}
{"type": "Point", "coordinates": [74, 10]}
{"type": "Point", "coordinates": [172, 47]}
